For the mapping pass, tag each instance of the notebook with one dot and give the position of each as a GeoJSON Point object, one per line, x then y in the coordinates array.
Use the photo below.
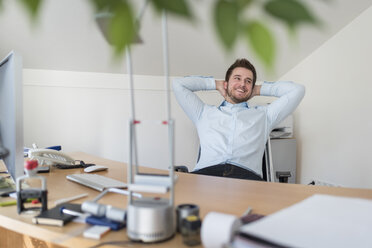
{"type": "Point", "coordinates": [55, 217]}
{"type": "Point", "coordinates": [318, 221]}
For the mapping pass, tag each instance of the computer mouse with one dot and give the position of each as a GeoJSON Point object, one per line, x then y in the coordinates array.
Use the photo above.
{"type": "Point", "coordinates": [95, 168]}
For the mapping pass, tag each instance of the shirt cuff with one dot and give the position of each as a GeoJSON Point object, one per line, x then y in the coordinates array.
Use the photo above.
{"type": "Point", "coordinates": [211, 83]}
{"type": "Point", "coordinates": [266, 88]}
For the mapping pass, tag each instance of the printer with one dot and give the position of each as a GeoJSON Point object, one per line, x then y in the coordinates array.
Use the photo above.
{"type": "Point", "coordinates": [283, 130]}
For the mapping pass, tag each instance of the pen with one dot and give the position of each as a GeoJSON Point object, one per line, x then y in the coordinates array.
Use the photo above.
{"type": "Point", "coordinates": [71, 212]}
{"type": "Point", "coordinates": [8, 203]}
{"type": "Point", "coordinates": [12, 202]}
{"type": "Point", "coordinates": [248, 211]}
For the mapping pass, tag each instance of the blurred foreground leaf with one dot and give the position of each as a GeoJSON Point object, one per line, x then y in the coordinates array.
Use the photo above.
{"type": "Point", "coordinates": [178, 7]}
{"type": "Point", "coordinates": [105, 5]}
{"type": "Point", "coordinates": [292, 12]}
{"type": "Point", "coordinates": [119, 22]}
{"type": "Point", "coordinates": [33, 7]}
{"type": "Point", "coordinates": [243, 3]}
{"type": "Point", "coordinates": [262, 42]}
{"type": "Point", "coordinates": [121, 29]}
{"type": "Point", "coordinates": [226, 20]}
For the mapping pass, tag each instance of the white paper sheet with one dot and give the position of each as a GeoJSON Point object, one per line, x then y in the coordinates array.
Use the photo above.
{"type": "Point", "coordinates": [319, 221]}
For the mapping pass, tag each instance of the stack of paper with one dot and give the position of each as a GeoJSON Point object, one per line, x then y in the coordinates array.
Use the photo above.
{"type": "Point", "coordinates": [318, 221]}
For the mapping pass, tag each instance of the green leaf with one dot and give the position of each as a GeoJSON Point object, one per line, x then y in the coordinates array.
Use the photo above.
{"type": "Point", "coordinates": [121, 27]}
{"type": "Point", "coordinates": [33, 7]}
{"type": "Point", "coordinates": [226, 20]}
{"type": "Point", "coordinates": [105, 5]}
{"type": "Point", "coordinates": [117, 19]}
{"type": "Point", "coordinates": [292, 12]}
{"type": "Point", "coordinates": [178, 7]}
{"type": "Point", "coordinates": [262, 42]}
{"type": "Point", "coordinates": [243, 3]}
{"type": "Point", "coordinates": [99, 4]}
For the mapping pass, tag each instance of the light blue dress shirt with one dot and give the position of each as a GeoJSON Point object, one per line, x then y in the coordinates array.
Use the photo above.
{"type": "Point", "coordinates": [235, 133]}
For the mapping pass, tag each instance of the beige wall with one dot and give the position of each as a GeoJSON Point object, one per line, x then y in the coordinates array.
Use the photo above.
{"type": "Point", "coordinates": [334, 121]}
{"type": "Point", "coordinates": [89, 112]}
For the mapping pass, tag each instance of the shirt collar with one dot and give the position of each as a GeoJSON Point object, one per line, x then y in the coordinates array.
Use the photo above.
{"type": "Point", "coordinates": [237, 105]}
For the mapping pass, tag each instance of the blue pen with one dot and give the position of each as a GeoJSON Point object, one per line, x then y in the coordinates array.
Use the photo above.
{"type": "Point", "coordinates": [57, 148]}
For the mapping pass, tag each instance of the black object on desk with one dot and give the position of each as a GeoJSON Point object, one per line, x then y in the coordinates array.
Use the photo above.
{"type": "Point", "coordinates": [55, 217]}
{"type": "Point", "coordinates": [75, 166]}
{"type": "Point", "coordinates": [190, 230]}
{"type": "Point", "coordinates": [43, 169]}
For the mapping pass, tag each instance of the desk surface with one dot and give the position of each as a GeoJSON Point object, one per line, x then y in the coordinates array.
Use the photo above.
{"type": "Point", "coordinates": [231, 196]}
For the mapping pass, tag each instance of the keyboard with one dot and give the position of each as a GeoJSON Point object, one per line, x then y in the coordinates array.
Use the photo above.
{"type": "Point", "coordinates": [96, 182]}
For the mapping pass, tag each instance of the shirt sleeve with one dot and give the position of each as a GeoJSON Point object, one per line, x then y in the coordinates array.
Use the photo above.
{"type": "Point", "coordinates": [184, 89]}
{"type": "Point", "coordinates": [289, 97]}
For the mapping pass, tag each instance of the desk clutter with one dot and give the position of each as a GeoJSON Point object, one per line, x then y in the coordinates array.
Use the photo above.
{"type": "Point", "coordinates": [317, 221]}
{"type": "Point", "coordinates": [52, 156]}
{"type": "Point", "coordinates": [39, 194]}
{"type": "Point", "coordinates": [103, 217]}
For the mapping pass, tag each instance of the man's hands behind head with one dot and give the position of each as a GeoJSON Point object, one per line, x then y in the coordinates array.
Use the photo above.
{"type": "Point", "coordinates": [256, 91]}
{"type": "Point", "coordinates": [220, 87]}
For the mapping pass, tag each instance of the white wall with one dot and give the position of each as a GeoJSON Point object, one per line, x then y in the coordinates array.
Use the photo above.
{"type": "Point", "coordinates": [72, 42]}
{"type": "Point", "coordinates": [334, 121]}
{"type": "Point", "coordinates": [89, 112]}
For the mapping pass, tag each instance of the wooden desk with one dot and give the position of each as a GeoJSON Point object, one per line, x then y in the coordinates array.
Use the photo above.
{"type": "Point", "coordinates": [231, 196]}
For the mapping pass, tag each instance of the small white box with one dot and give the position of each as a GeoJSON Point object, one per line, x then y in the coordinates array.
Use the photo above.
{"type": "Point", "coordinates": [96, 232]}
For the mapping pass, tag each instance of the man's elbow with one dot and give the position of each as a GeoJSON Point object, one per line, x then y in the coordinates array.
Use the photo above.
{"type": "Point", "coordinates": [176, 84]}
{"type": "Point", "coordinates": [301, 90]}
{"type": "Point", "coordinates": [298, 88]}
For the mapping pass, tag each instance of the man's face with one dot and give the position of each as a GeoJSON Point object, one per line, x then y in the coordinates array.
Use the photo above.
{"type": "Point", "coordinates": [239, 86]}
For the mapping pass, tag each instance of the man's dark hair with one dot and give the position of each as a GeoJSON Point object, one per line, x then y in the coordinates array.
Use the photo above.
{"type": "Point", "coordinates": [241, 63]}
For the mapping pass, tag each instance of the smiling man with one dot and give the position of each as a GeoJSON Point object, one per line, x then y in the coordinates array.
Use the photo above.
{"type": "Point", "coordinates": [233, 135]}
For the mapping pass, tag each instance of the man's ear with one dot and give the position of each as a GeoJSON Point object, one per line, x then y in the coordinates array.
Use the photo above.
{"type": "Point", "coordinates": [225, 85]}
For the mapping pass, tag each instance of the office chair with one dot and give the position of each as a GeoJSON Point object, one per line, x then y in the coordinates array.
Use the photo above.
{"type": "Point", "coordinates": [267, 163]}
{"type": "Point", "coordinates": [267, 166]}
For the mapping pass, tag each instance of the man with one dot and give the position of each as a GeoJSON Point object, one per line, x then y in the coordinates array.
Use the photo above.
{"type": "Point", "coordinates": [233, 135]}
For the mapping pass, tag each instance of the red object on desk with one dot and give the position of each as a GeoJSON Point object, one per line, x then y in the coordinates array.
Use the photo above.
{"type": "Point", "coordinates": [31, 164]}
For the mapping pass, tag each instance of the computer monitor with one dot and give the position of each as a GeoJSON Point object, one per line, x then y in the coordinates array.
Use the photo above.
{"type": "Point", "coordinates": [11, 114]}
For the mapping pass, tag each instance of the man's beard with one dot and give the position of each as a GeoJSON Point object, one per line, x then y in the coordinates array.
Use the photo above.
{"type": "Point", "coordinates": [235, 99]}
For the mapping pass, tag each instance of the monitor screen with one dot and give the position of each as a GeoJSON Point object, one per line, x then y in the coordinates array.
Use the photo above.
{"type": "Point", "coordinates": [11, 115]}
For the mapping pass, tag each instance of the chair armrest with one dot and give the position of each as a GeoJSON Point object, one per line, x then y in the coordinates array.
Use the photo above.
{"type": "Point", "coordinates": [181, 168]}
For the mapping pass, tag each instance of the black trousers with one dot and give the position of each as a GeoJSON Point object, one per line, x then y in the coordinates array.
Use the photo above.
{"type": "Point", "coordinates": [228, 170]}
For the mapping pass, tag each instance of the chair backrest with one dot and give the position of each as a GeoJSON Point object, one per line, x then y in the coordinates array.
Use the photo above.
{"type": "Point", "coordinates": [264, 165]}
{"type": "Point", "coordinates": [267, 163]}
